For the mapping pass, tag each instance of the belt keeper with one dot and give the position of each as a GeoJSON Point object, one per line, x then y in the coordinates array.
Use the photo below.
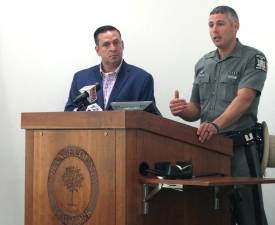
{"type": "Point", "coordinates": [216, 126]}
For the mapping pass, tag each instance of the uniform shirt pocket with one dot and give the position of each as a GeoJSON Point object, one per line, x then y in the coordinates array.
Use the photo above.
{"type": "Point", "coordinates": [228, 87]}
{"type": "Point", "coordinates": [203, 81]}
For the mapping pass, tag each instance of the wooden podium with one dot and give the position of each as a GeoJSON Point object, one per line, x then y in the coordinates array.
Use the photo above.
{"type": "Point", "coordinates": [83, 168]}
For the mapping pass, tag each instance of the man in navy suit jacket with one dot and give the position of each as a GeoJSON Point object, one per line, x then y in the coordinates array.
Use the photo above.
{"type": "Point", "coordinates": [118, 80]}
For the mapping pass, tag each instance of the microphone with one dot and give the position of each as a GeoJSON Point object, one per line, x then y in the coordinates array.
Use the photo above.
{"type": "Point", "coordinates": [94, 107]}
{"type": "Point", "coordinates": [88, 93]}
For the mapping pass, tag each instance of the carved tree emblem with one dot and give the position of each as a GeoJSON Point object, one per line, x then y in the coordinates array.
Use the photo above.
{"type": "Point", "coordinates": [72, 179]}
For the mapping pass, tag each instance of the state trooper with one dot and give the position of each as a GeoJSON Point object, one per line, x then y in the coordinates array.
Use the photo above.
{"type": "Point", "coordinates": [225, 97]}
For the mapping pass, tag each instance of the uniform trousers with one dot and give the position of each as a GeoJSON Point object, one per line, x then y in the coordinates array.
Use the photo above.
{"type": "Point", "coordinates": [248, 206]}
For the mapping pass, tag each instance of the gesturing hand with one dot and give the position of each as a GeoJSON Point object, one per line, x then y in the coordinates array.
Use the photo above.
{"type": "Point", "coordinates": [177, 105]}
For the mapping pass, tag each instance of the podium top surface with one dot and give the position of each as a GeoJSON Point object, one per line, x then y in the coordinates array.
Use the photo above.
{"type": "Point", "coordinates": [122, 120]}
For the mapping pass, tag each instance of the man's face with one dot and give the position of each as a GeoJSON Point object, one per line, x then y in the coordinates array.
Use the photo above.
{"type": "Point", "coordinates": [110, 48]}
{"type": "Point", "coordinates": [222, 30]}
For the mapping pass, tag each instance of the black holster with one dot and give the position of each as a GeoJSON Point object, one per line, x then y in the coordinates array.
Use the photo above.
{"type": "Point", "coordinates": [247, 137]}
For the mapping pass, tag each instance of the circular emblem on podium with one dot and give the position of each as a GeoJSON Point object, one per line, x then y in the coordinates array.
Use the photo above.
{"type": "Point", "coordinates": [72, 186]}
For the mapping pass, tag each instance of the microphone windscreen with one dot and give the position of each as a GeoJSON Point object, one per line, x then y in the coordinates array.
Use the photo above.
{"type": "Point", "coordinates": [92, 91]}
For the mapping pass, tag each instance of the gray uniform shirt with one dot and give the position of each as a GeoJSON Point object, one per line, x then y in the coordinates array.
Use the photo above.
{"type": "Point", "coordinates": [218, 81]}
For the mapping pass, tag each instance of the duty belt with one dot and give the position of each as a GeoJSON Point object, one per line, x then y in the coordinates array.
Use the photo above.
{"type": "Point", "coordinates": [247, 137]}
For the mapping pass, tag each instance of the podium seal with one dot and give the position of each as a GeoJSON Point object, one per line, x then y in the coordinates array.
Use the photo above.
{"type": "Point", "coordinates": [72, 186]}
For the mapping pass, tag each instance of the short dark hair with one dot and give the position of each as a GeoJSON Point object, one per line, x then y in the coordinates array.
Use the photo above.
{"type": "Point", "coordinates": [104, 29]}
{"type": "Point", "coordinates": [231, 13]}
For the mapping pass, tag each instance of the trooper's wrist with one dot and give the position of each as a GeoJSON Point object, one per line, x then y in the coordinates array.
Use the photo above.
{"type": "Point", "coordinates": [216, 126]}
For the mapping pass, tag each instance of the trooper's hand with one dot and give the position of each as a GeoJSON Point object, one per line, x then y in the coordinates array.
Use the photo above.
{"type": "Point", "coordinates": [206, 131]}
{"type": "Point", "coordinates": [177, 105]}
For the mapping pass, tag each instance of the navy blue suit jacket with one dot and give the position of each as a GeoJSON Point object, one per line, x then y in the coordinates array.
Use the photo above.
{"type": "Point", "coordinates": [132, 84]}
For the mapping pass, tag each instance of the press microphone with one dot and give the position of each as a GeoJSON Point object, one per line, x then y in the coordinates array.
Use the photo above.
{"type": "Point", "coordinates": [87, 93]}
{"type": "Point", "coordinates": [94, 107]}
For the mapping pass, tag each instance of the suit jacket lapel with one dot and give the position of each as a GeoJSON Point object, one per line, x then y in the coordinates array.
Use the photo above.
{"type": "Point", "coordinates": [121, 80]}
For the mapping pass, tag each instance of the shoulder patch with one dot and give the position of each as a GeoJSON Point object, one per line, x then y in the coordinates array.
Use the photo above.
{"type": "Point", "coordinates": [260, 63]}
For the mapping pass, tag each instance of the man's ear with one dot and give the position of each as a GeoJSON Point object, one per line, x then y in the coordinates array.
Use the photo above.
{"type": "Point", "coordinates": [237, 26]}
{"type": "Point", "coordinates": [97, 50]}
